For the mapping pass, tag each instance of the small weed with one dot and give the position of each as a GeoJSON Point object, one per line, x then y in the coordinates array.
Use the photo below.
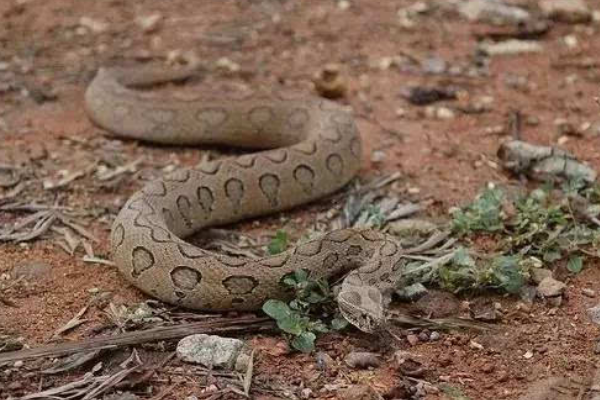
{"type": "Point", "coordinates": [278, 244]}
{"type": "Point", "coordinates": [300, 319]}
{"type": "Point", "coordinates": [484, 214]}
{"type": "Point", "coordinates": [538, 228]}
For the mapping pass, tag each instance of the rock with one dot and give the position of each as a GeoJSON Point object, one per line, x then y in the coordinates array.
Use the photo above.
{"type": "Point", "coordinates": [539, 274]}
{"type": "Point", "coordinates": [588, 292]}
{"type": "Point", "coordinates": [550, 287]}
{"type": "Point", "coordinates": [362, 360]}
{"type": "Point", "coordinates": [32, 269]}
{"type": "Point", "coordinates": [570, 11]}
{"type": "Point", "coordinates": [492, 11]}
{"type": "Point", "coordinates": [408, 364]}
{"type": "Point", "coordinates": [412, 292]}
{"type": "Point", "coordinates": [93, 25]}
{"type": "Point", "coordinates": [214, 351]}
{"type": "Point", "coordinates": [437, 304]}
{"type": "Point", "coordinates": [324, 361]}
{"type": "Point", "coordinates": [330, 83]}
{"type": "Point", "coordinates": [511, 47]}
{"type": "Point", "coordinates": [434, 336]}
{"type": "Point", "coordinates": [597, 348]}
{"type": "Point", "coordinates": [594, 314]}
{"type": "Point", "coordinates": [149, 23]}
{"type": "Point", "coordinates": [359, 392]}
{"type": "Point", "coordinates": [413, 340]}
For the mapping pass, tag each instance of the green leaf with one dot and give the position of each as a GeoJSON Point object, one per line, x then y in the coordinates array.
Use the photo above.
{"type": "Point", "coordinates": [339, 323]}
{"type": "Point", "coordinates": [278, 244]}
{"type": "Point", "coordinates": [508, 273]}
{"type": "Point", "coordinates": [294, 324]}
{"type": "Point", "coordinates": [305, 342]}
{"type": "Point", "coordinates": [277, 309]}
{"type": "Point", "coordinates": [575, 264]}
{"type": "Point", "coordinates": [301, 275]}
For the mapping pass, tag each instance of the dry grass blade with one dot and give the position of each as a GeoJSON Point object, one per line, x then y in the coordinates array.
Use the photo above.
{"type": "Point", "coordinates": [72, 362]}
{"type": "Point", "coordinates": [42, 226]}
{"type": "Point", "coordinates": [70, 390]}
{"type": "Point", "coordinates": [248, 377]}
{"type": "Point", "coordinates": [97, 260]}
{"type": "Point", "coordinates": [73, 323]}
{"type": "Point", "coordinates": [130, 167]}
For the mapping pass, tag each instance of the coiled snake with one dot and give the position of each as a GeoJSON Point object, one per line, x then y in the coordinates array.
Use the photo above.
{"type": "Point", "coordinates": [309, 148]}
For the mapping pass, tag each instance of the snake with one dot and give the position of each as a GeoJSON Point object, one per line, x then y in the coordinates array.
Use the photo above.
{"type": "Point", "coordinates": [303, 149]}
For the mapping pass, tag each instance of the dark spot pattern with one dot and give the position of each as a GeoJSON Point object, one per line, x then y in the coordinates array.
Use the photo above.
{"type": "Point", "coordinates": [141, 260]}
{"type": "Point", "coordinates": [185, 278]}
{"type": "Point", "coordinates": [269, 186]}
{"type": "Point", "coordinates": [240, 284]}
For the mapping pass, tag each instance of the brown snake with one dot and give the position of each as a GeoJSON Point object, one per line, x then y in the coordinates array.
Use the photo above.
{"type": "Point", "coordinates": [310, 148]}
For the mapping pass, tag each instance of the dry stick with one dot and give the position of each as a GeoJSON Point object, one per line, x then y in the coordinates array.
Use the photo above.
{"type": "Point", "coordinates": [222, 325]}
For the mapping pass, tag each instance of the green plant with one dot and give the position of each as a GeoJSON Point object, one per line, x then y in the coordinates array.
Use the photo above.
{"type": "Point", "coordinates": [300, 319]}
{"type": "Point", "coordinates": [484, 214]}
{"type": "Point", "coordinates": [278, 244]}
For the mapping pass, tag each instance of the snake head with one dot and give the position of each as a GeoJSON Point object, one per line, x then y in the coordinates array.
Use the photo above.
{"type": "Point", "coordinates": [362, 307]}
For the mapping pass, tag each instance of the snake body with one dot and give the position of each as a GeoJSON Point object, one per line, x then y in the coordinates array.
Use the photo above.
{"type": "Point", "coordinates": [308, 149]}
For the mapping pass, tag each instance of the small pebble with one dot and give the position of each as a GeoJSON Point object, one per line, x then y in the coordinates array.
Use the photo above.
{"type": "Point", "coordinates": [19, 364]}
{"type": "Point", "coordinates": [412, 339]}
{"type": "Point", "coordinates": [588, 292]}
{"type": "Point", "coordinates": [434, 336]}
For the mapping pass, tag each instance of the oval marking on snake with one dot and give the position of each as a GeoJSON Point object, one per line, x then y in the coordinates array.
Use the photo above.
{"type": "Point", "coordinates": [371, 235]}
{"type": "Point", "coordinates": [118, 235]}
{"type": "Point", "coordinates": [210, 168]}
{"type": "Point", "coordinates": [335, 164]}
{"type": "Point", "coordinates": [298, 118]}
{"type": "Point", "coordinates": [307, 147]}
{"type": "Point", "coordinates": [240, 284]}
{"type": "Point", "coordinates": [331, 135]}
{"type": "Point", "coordinates": [340, 235]}
{"type": "Point", "coordinates": [276, 156]}
{"type": "Point", "coordinates": [260, 116]}
{"type": "Point", "coordinates": [168, 217]}
{"type": "Point", "coordinates": [309, 249]}
{"type": "Point", "coordinates": [160, 116]}
{"type": "Point", "coordinates": [356, 147]}
{"type": "Point", "coordinates": [351, 297]}
{"type": "Point", "coordinates": [398, 265]}
{"type": "Point", "coordinates": [305, 176]}
{"type": "Point", "coordinates": [206, 199]}
{"type": "Point", "coordinates": [234, 190]}
{"type": "Point", "coordinates": [141, 260]}
{"type": "Point", "coordinates": [182, 175]}
{"type": "Point", "coordinates": [353, 250]}
{"type": "Point", "coordinates": [213, 117]}
{"type": "Point", "coordinates": [185, 278]}
{"type": "Point", "coordinates": [275, 261]}
{"type": "Point", "coordinates": [330, 261]}
{"type": "Point", "coordinates": [374, 294]}
{"type": "Point", "coordinates": [269, 186]}
{"type": "Point", "coordinates": [385, 277]}
{"type": "Point", "coordinates": [388, 249]}
{"type": "Point", "coordinates": [246, 161]}
{"type": "Point", "coordinates": [341, 118]}
{"type": "Point", "coordinates": [184, 205]}
{"type": "Point", "coordinates": [189, 251]}
{"type": "Point", "coordinates": [231, 261]}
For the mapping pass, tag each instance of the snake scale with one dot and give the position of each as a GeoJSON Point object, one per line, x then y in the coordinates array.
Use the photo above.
{"type": "Point", "coordinates": [308, 149]}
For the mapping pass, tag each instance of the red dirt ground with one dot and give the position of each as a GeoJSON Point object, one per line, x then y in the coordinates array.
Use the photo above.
{"type": "Point", "coordinates": [47, 54]}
